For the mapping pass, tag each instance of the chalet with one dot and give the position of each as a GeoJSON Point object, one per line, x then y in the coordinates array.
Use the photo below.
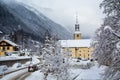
{"type": "Point", "coordinates": [7, 46]}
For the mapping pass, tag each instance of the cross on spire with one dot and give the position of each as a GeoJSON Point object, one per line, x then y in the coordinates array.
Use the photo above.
{"type": "Point", "coordinates": [76, 17]}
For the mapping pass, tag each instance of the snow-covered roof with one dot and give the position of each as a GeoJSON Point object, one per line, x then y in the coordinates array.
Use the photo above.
{"type": "Point", "coordinates": [8, 41]}
{"type": "Point", "coordinates": [76, 43]}
{"type": "Point", "coordinates": [77, 32]}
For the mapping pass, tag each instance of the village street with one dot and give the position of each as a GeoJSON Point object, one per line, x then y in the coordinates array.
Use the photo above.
{"type": "Point", "coordinates": [75, 73]}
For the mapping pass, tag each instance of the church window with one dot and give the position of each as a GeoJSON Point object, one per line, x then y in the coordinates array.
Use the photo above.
{"type": "Point", "coordinates": [76, 48]}
{"type": "Point", "coordinates": [88, 55]}
{"type": "Point", "coordinates": [77, 35]}
{"type": "Point", "coordinates": [79, 54]}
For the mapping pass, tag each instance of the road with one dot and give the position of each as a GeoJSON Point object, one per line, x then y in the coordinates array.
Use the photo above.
{"type": "Point", "coordinates": [18, 75]}
{"type": "Point", "coordinates": [22, 76]}
{"type": "Point", "coordinates": [77, 76]}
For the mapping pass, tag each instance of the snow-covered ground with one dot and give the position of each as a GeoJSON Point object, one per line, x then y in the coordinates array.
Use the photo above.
{"type": "Point", "coordinates": [10, 76]}
{"type": "Point", "coordinates": [94, 73]}
{"type": "Point", "coordinates": [4, 68]}
{"type": "Point", "coordinates": [13, 57]}
{"type": "Point", "coordinates": [17, 66]}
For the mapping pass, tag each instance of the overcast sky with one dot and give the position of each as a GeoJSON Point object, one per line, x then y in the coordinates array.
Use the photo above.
{"type": "Point", "coordinates": [64, 11]}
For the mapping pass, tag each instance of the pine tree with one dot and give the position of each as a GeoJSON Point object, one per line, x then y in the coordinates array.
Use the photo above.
{"type": "Point", "coordinates": [53, 60]}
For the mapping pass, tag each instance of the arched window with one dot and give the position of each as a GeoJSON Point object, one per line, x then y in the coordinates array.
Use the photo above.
{"type": "Point", "coordinates": [77, 35]}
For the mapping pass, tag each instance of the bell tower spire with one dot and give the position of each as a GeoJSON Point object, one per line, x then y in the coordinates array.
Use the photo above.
{"type": "Point", "coordinates": [76, 18]}
{"type": "Point", "coordinates": [77, 26]}
{"type": "Point", "coordinates": [77, 34]}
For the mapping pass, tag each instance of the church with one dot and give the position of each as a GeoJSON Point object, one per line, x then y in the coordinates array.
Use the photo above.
{"type": "Point", "coordinates": [77, 47]}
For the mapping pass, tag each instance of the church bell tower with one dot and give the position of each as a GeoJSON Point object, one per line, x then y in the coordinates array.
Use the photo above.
{"type": "Point", "coordinates": [77, 33]}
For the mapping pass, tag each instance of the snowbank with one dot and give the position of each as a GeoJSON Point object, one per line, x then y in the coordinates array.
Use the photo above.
{"type": "Point", "coordinates": [94, 73]}
{"type": "Point", "coordinates": [6, 58]}
{"type": "Point", "coordinates": [18, 66]}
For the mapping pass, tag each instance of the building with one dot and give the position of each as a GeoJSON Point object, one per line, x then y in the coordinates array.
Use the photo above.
{"type": "Point", "coordinates": [78, 47]}
{"type": "Point", "coordinates": [7, 46]}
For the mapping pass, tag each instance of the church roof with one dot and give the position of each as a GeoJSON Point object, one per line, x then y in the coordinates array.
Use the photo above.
{"type": "Point", "coordinates": [76, 43]}
{"type": "Point", "coordinates": [77, 32]}
{"type": "Point", "coordinates": [9, 42]}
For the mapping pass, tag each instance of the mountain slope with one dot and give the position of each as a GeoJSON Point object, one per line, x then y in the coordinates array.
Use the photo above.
{"type": "Point", "coordinates": [34, 23]}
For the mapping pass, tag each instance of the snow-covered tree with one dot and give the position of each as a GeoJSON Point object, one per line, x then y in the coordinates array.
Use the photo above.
{"type": "Point", "coordinates": [60, 64]}
{"type": "Point", "coordinates": [53, 60]}
{"type": "Point", "coordinates": [107, 40]}
{"type": "Point", "coordinates": [47, 56]}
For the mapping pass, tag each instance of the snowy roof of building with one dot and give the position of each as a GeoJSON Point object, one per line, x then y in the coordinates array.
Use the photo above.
{"type": "Point", "coordinates": [77, 32]}
{"type": "Point", "coordinates": [8, 41]}
{"type": "Point", "coordinates": [76, 43]}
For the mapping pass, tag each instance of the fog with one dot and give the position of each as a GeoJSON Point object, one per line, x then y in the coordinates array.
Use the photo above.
{"type": "Point", "coordinates": [64, 13]}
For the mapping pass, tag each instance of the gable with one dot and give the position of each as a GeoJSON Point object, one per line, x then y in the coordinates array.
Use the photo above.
{"type": "Point", "coordinates": [3, 43]}
{"type": "Point", "coordinates": [7, 43]}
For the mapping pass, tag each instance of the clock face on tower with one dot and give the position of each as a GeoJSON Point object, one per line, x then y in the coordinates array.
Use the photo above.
{"type": "Point", "coordinates": [77, 36]}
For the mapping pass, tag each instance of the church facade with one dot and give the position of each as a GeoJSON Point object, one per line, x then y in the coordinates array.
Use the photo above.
{"type": "Point", "coordinates": [77, 47]}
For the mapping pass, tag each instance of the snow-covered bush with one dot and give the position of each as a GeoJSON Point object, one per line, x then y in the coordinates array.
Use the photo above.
{"type": "Point", "coordinates": [82, 65]}
{"type": "Point", "coordinates": [3, 68]}
{"type": "Point", "coordinates": [17, 65]}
